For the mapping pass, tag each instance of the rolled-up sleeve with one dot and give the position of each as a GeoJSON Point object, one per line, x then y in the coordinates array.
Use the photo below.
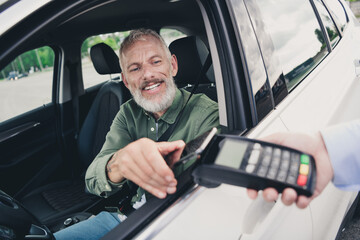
{"type": "Point", "coordinates": [343, 145]}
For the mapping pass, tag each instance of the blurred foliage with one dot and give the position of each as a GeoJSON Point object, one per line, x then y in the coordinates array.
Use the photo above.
{"type": "Point", "coordinates": [30, 61]}
{"type": "Point", "coordinates": [112, 39]}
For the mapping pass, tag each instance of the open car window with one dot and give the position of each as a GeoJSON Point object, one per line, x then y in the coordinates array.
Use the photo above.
{"type": "Point", "coordinates": [26, 82]}
{"type": "Point", "coordinates": [90, 76]}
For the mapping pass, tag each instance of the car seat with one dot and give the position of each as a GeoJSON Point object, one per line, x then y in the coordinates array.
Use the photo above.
{"type": "Point", "coordinates": [60, 199]}
{"type": "Point", "coordinates": [192, 53]}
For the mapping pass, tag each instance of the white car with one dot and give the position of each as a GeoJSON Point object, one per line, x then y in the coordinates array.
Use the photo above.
{"type": "Point", "coordinates": [275, 66]}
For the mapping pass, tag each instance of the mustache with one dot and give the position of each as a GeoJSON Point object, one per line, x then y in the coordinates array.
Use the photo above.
{"type": "Point", "coordinates": [153, 81]}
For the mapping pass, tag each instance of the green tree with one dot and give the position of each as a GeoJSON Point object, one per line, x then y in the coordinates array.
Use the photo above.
{"type": "Point", "coordinates": [319, 36]}
{"type": "Point", "coordinates": [112, 43]}
{"type": "Point", "coordinates": [85, 47]}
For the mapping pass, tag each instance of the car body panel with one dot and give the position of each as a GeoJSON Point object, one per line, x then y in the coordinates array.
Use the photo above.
{"type": "Point", "coordinates": [325, 97]}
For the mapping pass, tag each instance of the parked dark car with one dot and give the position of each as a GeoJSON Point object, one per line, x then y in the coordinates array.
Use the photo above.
{"type": "Point", "coordinates": [276, 66]}
{"type": "Point", "coordinates": [13, 76]}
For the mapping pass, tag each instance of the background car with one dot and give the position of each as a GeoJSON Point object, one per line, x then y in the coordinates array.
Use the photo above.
{"type": "Point", "coordinates": [13, 76]}
{"type": "Point", "coordinates": [276, 66]}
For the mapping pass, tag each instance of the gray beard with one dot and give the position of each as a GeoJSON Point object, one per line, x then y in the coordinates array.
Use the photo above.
{"type": "Point", "coordinates": [155, 107]}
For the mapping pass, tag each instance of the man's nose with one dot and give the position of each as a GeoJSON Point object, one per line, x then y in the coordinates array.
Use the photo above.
{"type": "Point", "coordinates": [148, 72]}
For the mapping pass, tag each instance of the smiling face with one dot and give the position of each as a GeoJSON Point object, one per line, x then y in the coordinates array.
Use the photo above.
{"type": "Point", "coordinates": [148, 72]}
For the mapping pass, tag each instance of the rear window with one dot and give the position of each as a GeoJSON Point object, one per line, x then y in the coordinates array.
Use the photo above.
{"type": "Point", "coordinates": [329, 25]}
{"type": "Point", "coordinates": [26, 82]}
{"type": "Point", "coordinates": [338, 13]}
{"type": "Point", "coordinates": [296, 36]}
{"type": "Point", "coordinates": [90, 76]}
{"type": "Point", "coordinates": [169, 35]}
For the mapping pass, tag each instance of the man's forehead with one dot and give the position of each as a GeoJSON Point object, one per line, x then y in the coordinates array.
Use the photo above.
{"type": "Point", "coordinates": [145, 46]}
{"type": "Point", "coordinates": [144, 40]}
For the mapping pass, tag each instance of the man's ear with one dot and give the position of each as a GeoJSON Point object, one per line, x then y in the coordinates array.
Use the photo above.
{"type": "Point", "coordinates": [124, 80]}
{"type": "Point", "coordinates": [174, 65]}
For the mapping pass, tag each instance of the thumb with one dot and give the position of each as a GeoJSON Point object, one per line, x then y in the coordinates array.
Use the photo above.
{"type": "Point", "coordinates": [166, 148]}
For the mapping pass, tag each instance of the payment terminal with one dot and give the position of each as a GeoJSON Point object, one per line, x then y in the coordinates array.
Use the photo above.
{"type": "Point", "coordinates": [253, 164]}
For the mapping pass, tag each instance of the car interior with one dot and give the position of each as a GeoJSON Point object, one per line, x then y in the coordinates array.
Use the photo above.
{"type": "Point", "coordinates": [72, 129]}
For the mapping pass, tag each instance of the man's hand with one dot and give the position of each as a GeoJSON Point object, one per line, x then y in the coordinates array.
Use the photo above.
{"type": "Point", "coordinates": [311, 144]}
{"type": "Point", "coordinates": [142, 162]}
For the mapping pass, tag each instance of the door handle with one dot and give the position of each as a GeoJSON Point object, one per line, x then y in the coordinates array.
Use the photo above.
{"type": "Point", "coordinates": [17, 130]}
{"type": "Point", "coordinates": [357, 67]}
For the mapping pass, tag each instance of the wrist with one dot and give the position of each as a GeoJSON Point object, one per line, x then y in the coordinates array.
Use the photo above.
{"type": "Point", "coordinates": [112, 170]}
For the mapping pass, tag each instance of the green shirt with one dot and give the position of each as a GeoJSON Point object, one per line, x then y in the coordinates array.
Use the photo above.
{"type": "Point", "coordinates": [132, 123]}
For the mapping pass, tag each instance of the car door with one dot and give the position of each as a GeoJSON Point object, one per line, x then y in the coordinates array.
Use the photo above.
{"type": "Point", "coordinates": [29, 146]}
{"type": "Point", "coordinates": [285, 66]}
{"type": "Point", "coordinates": [323, 87]}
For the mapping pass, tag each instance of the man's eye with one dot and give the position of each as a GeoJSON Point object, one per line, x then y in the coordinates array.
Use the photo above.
{"type": "Point", "coordinates": [134, 69]}
{"type": "Point", "coordinates": [157, 61]}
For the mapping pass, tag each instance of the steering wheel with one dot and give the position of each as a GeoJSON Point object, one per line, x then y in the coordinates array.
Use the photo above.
{"type": "Point", "coordinates": [16, 222]}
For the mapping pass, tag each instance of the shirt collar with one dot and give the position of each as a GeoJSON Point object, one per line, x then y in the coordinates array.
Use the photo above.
{"type": "Point", "coordinates": [173, 111]}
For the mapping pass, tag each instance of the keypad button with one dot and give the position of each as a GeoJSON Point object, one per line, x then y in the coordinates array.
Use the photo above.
{"type": "Point", "coordinates": [268, 150]}
{"type": "Point", "coordinates": [302, 179]}
{"type": "Point", "coordinates": [277, 152]}
{"type": "Point", "coordinates": [266, 160]}
{"type": "Point", "coordinates": [272, 173]}
{"type": "Point", "coordinates": [254, 157]}
{"type": "Point", "coordinates": [286, 155]}
{"type": "Point", "coordinates": [281, 176]}
{"type": "Point", "coordinates": [294, 167]}
{"type": "Point", "coordinates": [262, 171]}
{"type": "Point", "coordinates": [257, 146]}
{"type": "Point", "coordinates": [285, 164]}
{"type": "Point", "coordinates": [304, 159]}
{"type": "Point", "coordinates": [304, 169]}
{"type": "Point", "coordinates": [295, 157]}
{"type": "Point", "coordinates": [250, 168]}
{"type": "Point", "coordinates": [291, 179]}
{"type": "Point", "coordinates": [275, 162]}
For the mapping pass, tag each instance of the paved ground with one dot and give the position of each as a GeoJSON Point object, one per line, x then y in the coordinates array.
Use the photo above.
{"type": "Point", "coordinates": [30, 92]}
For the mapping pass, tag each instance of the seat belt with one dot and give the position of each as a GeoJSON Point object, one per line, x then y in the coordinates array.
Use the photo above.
{"type": "Point", "coordinates": [166, 135]}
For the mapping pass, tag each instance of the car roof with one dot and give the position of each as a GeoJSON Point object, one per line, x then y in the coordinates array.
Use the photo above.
{"type": "Point", "coordinates": [64, 22]}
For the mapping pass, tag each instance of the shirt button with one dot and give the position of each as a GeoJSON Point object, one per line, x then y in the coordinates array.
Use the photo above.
{"type": "Point", "coordinates": [107, 187]}
{"type": "Point", "coordinates": [152, 129]}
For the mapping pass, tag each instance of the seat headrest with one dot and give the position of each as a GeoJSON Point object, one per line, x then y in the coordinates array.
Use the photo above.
{"type": "Point", "coordinates": [104, 59]}
{"type": "Point", "coordinates": [191, 54]}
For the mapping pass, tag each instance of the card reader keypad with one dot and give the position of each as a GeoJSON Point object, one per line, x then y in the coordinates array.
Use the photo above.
{"type": "Point", "coordinates": [277, 164]}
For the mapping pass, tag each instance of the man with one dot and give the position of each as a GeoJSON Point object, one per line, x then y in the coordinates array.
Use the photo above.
{"type": "Point", "coordinates": [336, 151]}
{"type": "Point", "coordinates": [130, 152]}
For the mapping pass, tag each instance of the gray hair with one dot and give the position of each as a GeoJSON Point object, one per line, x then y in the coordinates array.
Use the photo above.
{"type": "Point", "coordinates": [138, 35]}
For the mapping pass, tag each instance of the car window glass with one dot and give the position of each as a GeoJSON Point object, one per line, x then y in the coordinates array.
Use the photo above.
{"type": "Point", "coordinates": [90, 76]}
{"type": "Point", "coordinates": [26, 82]}
{"type": "Point", "coordinates": [329, 25]}
{"type": "Point", "coordinates": [296, 36]}
{"type": "Point", "coordinates": [259, 84]}
{"type": "Point", "coordinates": [169, 35]}
{"type": "Point", "coordinates": [337, 12]}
